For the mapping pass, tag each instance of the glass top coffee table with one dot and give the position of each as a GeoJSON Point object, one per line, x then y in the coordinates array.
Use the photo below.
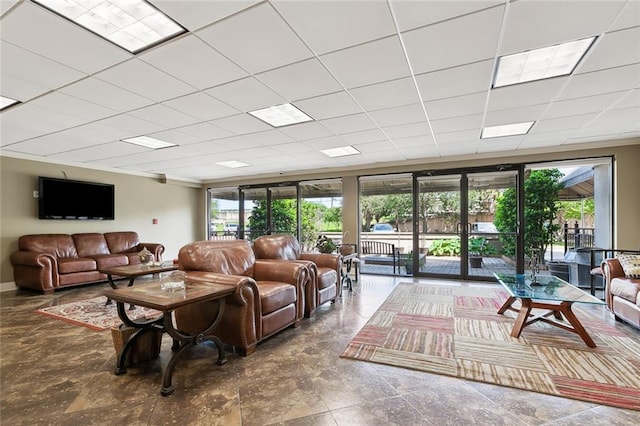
{"type": "Point", "coordinates": [550, 294]}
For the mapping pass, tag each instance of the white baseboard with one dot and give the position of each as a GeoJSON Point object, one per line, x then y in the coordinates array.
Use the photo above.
{"type": "Point", "coordinates": [8, 286]}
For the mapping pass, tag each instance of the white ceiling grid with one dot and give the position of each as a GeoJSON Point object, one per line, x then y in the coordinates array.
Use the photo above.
{"type": "Point", "coordinates": [341, 62]}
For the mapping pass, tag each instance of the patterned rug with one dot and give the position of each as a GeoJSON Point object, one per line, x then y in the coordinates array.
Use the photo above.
{"type": "Point", "coordinates": [456, 330]}
{"type": "Point", "coordinates": [94, 314]}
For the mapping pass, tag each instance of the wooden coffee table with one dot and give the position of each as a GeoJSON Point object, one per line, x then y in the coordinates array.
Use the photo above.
{"type": "Point", "coordinates": [549, 293]}
{"type": "Point", "coordinates": [134, 271]}
{"type": "Point", "coordinates": [151, 295]}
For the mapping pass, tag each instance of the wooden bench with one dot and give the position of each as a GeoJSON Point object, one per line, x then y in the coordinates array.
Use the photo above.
{"type": "Point", "coordinates": [381, 248]}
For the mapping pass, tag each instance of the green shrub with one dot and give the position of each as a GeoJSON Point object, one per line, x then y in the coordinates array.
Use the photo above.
{"type": "Point", "coordinates": [450, 247]}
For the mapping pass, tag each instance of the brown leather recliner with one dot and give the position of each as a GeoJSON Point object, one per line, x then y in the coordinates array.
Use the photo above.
{"type": "Point", "coordinates": [324, 268]}
{"type": "Point", "coordinates": [268, 297]}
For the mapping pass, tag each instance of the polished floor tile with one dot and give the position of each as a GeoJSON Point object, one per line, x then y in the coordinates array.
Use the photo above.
{"type": "Point", "coordinates": [53, 373]}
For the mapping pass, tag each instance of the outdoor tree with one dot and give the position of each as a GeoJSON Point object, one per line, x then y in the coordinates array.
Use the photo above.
{"type": "Point", "coordinates": [283, 217]}
{"type": "Point", "coordinates": [541, 207]}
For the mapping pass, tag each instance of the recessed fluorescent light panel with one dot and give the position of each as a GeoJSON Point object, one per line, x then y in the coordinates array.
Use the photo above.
{"type": "Point", "coordinates": [134, 25]}
{"type": "Point", "coordinates": [6, 102]}
{"type": "Point", "coordinates": [340, 151]}
{"type": "Point", "coordinates": [506, 130]}
{"type": "Point", "coordinates": [148, 142]}
{"type": "Point", "coordinates": [547, 62]}
{"type": "Point", "coordinates": [233, 164]}
{"type": "Point", "coordinates": [281, 115]}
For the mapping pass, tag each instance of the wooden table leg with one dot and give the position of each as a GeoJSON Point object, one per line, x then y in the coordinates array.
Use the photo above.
{"type": "Point", "coordinates": [523, 315]}
{"type": "Point", "coordinates": [565, 308]}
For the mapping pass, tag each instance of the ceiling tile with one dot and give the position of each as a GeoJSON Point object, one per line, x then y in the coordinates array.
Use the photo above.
{"type": "Point", "coordinates": [563, 123]}
{"type": "Point", "coordinates": [457, 106]}
{"type": "Point", "coordinates": [62, 103]}
{"type": "Point", "coordinates": [306, 131]}
{"type": "Point", "coordinates": [613, 50]}
{"type": "Point", "coordinates": [534, 24]}
{"type": "Point", "coordinates": [270, 137]}
{"type": "Point", "coordinates": [514, 115]}
{"type": "Point", "coordinates": [624, 119]}
{"type": "Point", "coordinates": [98, 152]}
{"type": "Point", "coordinates": [247, 94]}
{"type": "Point", "coordinates": [102, 93]}
{"type": "Point", "coordinates": [460, 41]}
{"type": "Point", "coordinates": [191, 60]}
{"type": "Point", "coordinates": [241, 124]}
{"type": "Point", "coordinates": [455, 81]}
{"type": "Point", "coordinates": [414, 142]}
{"type": "Point", "coordinates": [348, 123]}
{"type": "Point", "coordinates": [231, 144]}
{"type": "Point", "coordinates": [196, 14]}
{"type": "Point", "coordinates": [457, 137]}
{"type": "Point", "coordinates": [243, 39]}
{"type": "Point", "coordinates": [365, 136]}
{"type": "Point", "coordinates": [131, 125]}
{"type": "Point", "coordinates": [500, 144]}
{"type": "Point", "coordinates": [467, 122]}
{"type": "Point", "coordinates": [59, 39]}
{"type": "Point", "coordinates": [37, 73]}
{"type": "Point", "coordinates": [631, 99]}
{"type": "Point", "coordinates": [458, 148]}
{"type": "Point", "coordinates": [301, 80]}
{"type": "Point", "coordinates": [584, 105]}
{"type": "Point", "coordinates": [407, 130]}
{"type": "Point", "coordinates": [28, 121]}
{"type": "Point", "coordinates": [204, 132]}
{"type": "Point", "coordinates": [164, 116]}
{"type": "Point", "coordinates": [386, 95]}
{"type": "Point", "coordinates": [328, 106]}
{"type": "Point", "coordinates": [178, 137]}
{"type": "Point", "coordinates": [630, 17]}
{"type": "Point", "coordinates": [599, 82]}
{"type": "Point", "coordinates": [141, 78]}
{"type": "Point", "coordinates": [324, 143]}
{"type": "Point", "coordinates": [533, 93]}
{"type": "Point", "coordinates": [201, 106]}
{"type": "Point", "coordinates": [148, 156]}
{"type": "Point", "coordinates": [399, 115]}
{"type": "Point", "coordinates": [412, 14]}
{"type": "Point", "coordinates": [373, 62]}
{"type": "Point", "coordinates": [330, 25]}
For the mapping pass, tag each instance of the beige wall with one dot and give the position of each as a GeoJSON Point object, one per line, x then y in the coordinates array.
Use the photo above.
{"type": "Point", "coordinates": [180, 209]}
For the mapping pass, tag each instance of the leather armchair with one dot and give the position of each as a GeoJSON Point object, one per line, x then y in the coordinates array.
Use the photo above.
{"type": "Point", "coordinates": [622, 294]}
{"type": "Point", "coordinates": [324, 269]}
{"type": "Point", "coordinates": [268, 297]}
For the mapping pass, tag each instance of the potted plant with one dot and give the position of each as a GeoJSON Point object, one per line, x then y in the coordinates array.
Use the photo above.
{"type": "Point", "coordinates": [408, 262]}
{"type": "Point", "coordinates": [477, 248]}
{"type": "Point", "coordinates": [325, 244]}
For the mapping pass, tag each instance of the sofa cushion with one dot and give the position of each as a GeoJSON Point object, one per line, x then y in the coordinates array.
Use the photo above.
{"type": "Point", "coordinates": [224, 257]}
{"type": "Point", "coordinates": [111, 260]}
{"type": "Point", "coordinates": [122, 242]}
{"type": "Point", "coordinates": [626, 288]}
{"type": "Point", "coordinates": [327, 277]}
{"type": "Point", "coordinates": [630, 264]}
{"type": "Point", "coordinates": [90, 244]}
{"type": "Point", "coordinates": [78, 264]}
{"type": "Point", "coordinates": [59, 245]}
{"type": "Point", "coordinates": [275, 295]}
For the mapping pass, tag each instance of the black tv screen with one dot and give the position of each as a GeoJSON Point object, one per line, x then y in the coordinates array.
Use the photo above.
{"type": "Point", "coordinates": [74, 200]}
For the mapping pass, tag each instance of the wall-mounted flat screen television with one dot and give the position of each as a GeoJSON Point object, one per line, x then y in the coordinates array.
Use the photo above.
{"type": "Point", "coordinates": [75, 200]}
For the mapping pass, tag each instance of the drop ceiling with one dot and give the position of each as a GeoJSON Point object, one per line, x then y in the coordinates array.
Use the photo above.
{"type": "Point", "coordinates": [398, 80]}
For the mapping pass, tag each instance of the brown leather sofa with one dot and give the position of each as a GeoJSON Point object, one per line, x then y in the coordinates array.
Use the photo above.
{"type": "Point", "coordinates": [46, 262]}
{"type": "Point", "coordinates": [622, 293]}
{"type": "Point", "coordinates": [268, 297]}
{"type": "Point", "coordinates": [324, 269]}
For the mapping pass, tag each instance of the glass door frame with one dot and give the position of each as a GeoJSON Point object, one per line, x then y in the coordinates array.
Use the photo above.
{"type": "Point", "coordinates": [463, 226]}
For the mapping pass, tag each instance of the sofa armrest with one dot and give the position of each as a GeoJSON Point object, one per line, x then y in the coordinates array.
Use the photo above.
{"type": "Point", "coordinates": [324, 260]}
{"type": "Point", "coordinates": [155, 248]}
{"type": "Point", "coordinates": [292, 272]}
{"type": "Point", "coordinates": [240, 325]}
{"type": "Point", "coordinates": [611, 268]}
{"type": "Point", "coordinates": [35, 270]}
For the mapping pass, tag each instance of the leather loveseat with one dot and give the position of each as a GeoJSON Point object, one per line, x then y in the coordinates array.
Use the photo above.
{"type": "Point", "coordinates": [622, 293]}
{"type": "Point", "coordinates": [46, 262]}
{"type": "Point", "coordinates": [268, 297]}
{"type": "Point", "coordinates": [324, 269]}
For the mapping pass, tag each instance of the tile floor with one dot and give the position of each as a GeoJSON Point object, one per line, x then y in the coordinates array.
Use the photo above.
{"type": "Point", "coordinates": [60, 374]}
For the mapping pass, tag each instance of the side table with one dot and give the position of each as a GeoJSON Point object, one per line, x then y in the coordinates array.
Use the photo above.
{"type": "Point", "coordinates": [151, 295]}
{"type": "Point", "coordinates": [134, 271]}
{"type": "Point", "coordinates": [350, 261]}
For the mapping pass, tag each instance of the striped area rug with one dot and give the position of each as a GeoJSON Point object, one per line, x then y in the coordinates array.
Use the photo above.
{"type": "Point", "coordinates": [456, 330]}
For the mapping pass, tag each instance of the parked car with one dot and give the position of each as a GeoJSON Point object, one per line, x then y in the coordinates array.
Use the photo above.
{"type": "Point", "coordinates": [484, 227]}
{"type": "Point", "coordinates": [382, 227]}
{"type": "Point", "coordinates": [230, 228]}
